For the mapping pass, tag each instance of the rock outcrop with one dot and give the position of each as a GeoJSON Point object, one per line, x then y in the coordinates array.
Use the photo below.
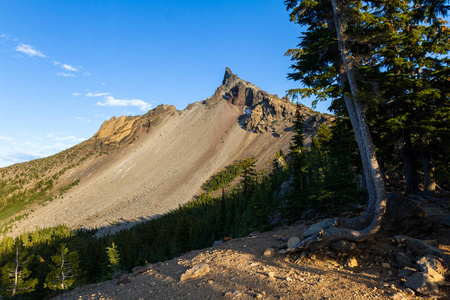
{"type": "Point", "coordinates": [117, 131]}
{"type": "Point", "coordinates": [263, 112]}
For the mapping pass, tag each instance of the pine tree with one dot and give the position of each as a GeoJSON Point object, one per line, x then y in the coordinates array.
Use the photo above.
{"type": "Point", "coordinates": [248, 175]}
{"type": "Point", "coordinates": [15, 274]}
{"type": "Point", "coordinates": [327, 62]}
{"type": "Point", "coordinates": [182, 231]}
{"type": "Point", "coordinates": [113, 257]}
{"type": "Point", "coordinates": [64, 270]}
{"type": "Point", "coordinates": [341, 175]}
{"type": "Point", "coordinates": [297, 198]}
{"type": "Point", "coordinates": [317, 162]}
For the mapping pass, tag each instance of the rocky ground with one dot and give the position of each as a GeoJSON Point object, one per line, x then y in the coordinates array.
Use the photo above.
{"type": "Point", "coordinates": [252, 268]}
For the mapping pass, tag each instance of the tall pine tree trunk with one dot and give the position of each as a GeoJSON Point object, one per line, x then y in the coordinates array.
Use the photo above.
{"type": "Point", "coordinates": [374, 177]}
{"type": "Point", "coordinates": [372, 172]}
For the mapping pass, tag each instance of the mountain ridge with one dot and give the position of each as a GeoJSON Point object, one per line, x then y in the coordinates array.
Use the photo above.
{"type": "Point", "coordinates": [135, 168]}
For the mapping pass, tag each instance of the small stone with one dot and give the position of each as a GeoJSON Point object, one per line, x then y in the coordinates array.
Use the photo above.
{"type": "Point", "coordinates": [409, 291]}
{"type": "Point", "coordinates": [138, 270]}
{"type": "Point", "coordinates": [259, 296]}
{"type": "Point", "coordinates": [317, 227]}
{"type": "Point", "coordinates": [270, 253]}
{"type": "Point", "coordinates": [292, 242]}
{"type": "Point", "coordinates": [352, 262]}
{"type": "Point", "coordinates": [386, 265]}
{"type": "Point", "coordinates": [271, 274]}
{"type": "Point", "coordinates": [196, 271]}
{"type": "Point", "coordinates": [288, 279]}
{"type": "Point", "coordinates": [216, 243]}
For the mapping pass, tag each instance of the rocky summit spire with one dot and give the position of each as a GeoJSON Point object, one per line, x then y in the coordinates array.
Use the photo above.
{"type": "Point", "coordinates": [229, 76]}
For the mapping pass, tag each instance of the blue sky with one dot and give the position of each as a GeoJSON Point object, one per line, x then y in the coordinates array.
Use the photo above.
{"type": "Point", "coordinates": [67, 66]}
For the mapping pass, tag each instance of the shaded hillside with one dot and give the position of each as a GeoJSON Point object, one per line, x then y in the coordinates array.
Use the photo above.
{"type": "Point", "coordinates": [138, 167]}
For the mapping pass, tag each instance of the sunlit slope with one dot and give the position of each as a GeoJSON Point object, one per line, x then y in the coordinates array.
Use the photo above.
{"type": "Point", "coordinates": [143, 166]}
{"type": "Point", "coordinates": [159, 170]}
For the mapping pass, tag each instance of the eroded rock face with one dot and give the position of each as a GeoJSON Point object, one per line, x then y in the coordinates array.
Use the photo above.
{"type": "Point", "coordinates": [262, 112]}
{"type": "Point", "coordinates": [121, 130]}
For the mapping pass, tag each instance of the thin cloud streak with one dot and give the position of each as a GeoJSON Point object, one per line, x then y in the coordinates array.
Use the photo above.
{"type": "Point", "coordinates": [66, 66]}
{"type": "Point", "coordinates": [97, 94]}
{"type": "Point", "coordinates": [66, 75]}
{"type": "Point", "coordinates": [111, 101]}
{"type": "Point", "coordinates": [29, 50]}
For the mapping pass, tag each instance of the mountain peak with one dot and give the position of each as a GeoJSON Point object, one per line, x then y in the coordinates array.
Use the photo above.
{"type": "Point", "coordinates": [228, 76]}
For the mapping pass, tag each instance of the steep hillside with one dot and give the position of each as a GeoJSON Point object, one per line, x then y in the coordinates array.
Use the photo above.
{"type": "Point", "coordinates": [135, 168]}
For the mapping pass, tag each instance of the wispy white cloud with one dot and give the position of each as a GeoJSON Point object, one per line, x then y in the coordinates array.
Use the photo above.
{"type": "Point", "coordinates": [111, 101]}
{"type": "Point", "coordinates": [29, 50]}
{"type": "Point", "coordinates": [83, 119]}
{"type": "Point", "coordinates": [97, 94]}
{"type": "Point", "coordinates": [72, 138]}
{"type": "Point", "coordinates": [66, 74]}
{"type": "Point", "coordinates": [5, 138]}
{"type": "Point", "coordinates": [67, 67]}
{"type": "Point", "coordinates": [76, 94]}
{"type": "Point", "coordinates": [86, 74]}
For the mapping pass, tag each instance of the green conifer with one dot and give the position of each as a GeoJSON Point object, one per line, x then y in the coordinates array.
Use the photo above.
{"type": "Point", "coordinates": [113, 257]}
{"type": "Point", "coordinates": [15, 274]}
{"type": "Point", "coordinates": [64, 270]}
{"type": "Point", "coordinates": [297, 198]}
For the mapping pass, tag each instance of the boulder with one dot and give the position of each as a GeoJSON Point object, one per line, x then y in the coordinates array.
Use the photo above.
{"type": "Point", "coordinates": [318, 227]}
{"type": "Point", "coordinates": [292, 242]}
{"type": "Point", "coordinates": [270, 253]}
{"type": "Point", "coordinates": [195, 272]}
{"type": "Point", "coordinates": [422, 283]}
{"type": "Point", "coordinates": [434, 268]}
{"type": "Point", "coordinates": [432, 262]}
{"type": "Point", "coordinates": [403, 215]}
{"type": "Point", "coordinates": [419, 247]}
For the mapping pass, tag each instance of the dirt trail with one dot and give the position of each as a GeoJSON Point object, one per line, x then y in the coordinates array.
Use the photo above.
{"type": "Point", "coordinates": [238, 270]}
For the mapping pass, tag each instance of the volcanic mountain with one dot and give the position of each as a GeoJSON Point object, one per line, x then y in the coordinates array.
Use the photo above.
{"type": "Point", "coordinates": [136, 168]}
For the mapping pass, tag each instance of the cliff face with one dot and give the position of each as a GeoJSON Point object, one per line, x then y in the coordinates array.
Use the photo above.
{"type": "Point", "coordinates": [122, 130]}
{"type": "Point", "coordinates": [262, 112]}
